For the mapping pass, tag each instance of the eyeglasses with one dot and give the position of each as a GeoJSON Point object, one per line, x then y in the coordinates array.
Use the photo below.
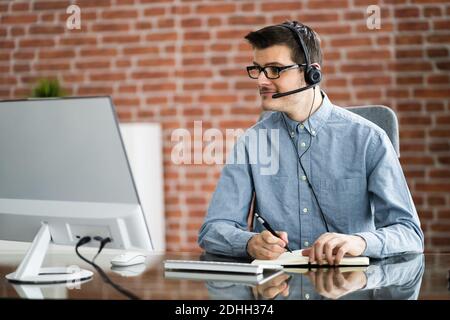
{"type": "Point", "coordinates": [271, 72]}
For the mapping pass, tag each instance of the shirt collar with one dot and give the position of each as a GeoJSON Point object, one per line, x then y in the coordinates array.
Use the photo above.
{"type": "Point", "coordinates": [317, 119]}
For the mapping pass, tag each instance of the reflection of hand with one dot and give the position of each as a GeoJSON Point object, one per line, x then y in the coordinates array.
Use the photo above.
{"type": "Point", "coordinates": [274, 287]}
{"type": "Point", "coordinates": [266, 246]}
{"type": "Point", "coordinates": [332, 283]}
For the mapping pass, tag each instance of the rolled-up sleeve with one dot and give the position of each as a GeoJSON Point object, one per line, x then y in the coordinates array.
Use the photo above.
{"type": "Point", "coordinates": [225, 229]}
{"type": "Point", "coordinates": [396, 221]}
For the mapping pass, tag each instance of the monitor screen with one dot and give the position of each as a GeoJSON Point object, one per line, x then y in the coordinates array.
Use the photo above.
{"type": "Point", "coordinates": [63, 150]}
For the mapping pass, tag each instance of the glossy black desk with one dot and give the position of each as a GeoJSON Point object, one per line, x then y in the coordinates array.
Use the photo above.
{"type": "Point", "coordinates": [403, 277]}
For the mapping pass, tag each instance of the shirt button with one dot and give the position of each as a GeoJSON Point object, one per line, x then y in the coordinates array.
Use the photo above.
{"type": "Point", "coordinates": [313, 132]}
{"type": "Point", "coordinates": [306, 243]}
{"type": "Point", "coordinates": [305, 210]}
{"type": "Point", "coordinates": [292, 134]}
{"type": "Point", "coordinates": [302, 126]}
{"type": "Point", "coordinates": [304, 178]}
{"type": "Point", "coordinates": [303, 144]}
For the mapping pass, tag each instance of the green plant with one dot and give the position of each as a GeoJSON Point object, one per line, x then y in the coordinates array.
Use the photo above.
{"type": "Point", "coordinates": [48, 88]}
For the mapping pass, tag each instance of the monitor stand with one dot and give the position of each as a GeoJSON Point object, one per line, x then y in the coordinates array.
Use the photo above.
{"type": "Point", "coordinates": [30, 271]}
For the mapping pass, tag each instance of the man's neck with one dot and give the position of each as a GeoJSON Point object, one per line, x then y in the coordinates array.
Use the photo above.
{"type": "Point", "coordinates": [301, 113]}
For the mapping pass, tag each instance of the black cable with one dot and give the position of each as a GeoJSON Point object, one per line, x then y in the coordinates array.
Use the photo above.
{"type": "Point", "coordinates": [300, 159]}
{"type": "Point", "coordinates": [102, 273]}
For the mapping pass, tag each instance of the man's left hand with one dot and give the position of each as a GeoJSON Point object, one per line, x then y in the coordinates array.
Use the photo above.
{"type": "Point", "coordinates": [332, 247]}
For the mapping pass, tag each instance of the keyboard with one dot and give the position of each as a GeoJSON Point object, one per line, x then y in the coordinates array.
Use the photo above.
{"type": "Point", "coordinates": [216, 266]}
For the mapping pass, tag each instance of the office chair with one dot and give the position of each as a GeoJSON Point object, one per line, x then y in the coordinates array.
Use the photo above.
{"type": "Point", "coordinates": [383, 117]}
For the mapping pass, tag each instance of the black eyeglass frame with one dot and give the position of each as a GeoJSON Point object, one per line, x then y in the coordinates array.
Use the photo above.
{"type": "Point", "coordinates": [279, 69]}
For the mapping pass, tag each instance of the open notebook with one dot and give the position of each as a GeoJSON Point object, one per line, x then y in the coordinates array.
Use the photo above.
{"type": "Point", "coordinates": [295, 259]}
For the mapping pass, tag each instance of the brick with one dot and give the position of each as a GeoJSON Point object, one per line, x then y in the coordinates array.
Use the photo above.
{"type": "Point", "coordinates": [407, 12]}
{"type": "Point", "coordinates": [328, 4]}
{"type": "Point", "coordinates": [215, 9]}
{"type": "Point", "coordinates": [191, 22]}
{"type": "Point", "coordinates": [140, 50]}
{"type": "Point", "coordinates": [110, 27]}
{"type": "Point", "coordinates": [52, 66]}
{"type": "Point", "coordinates": [437, 52]}
{"type": "Point", "coordinates": [169, 86]}
{"type": "Point", "coordinates": [281, 6]}
{"type": "Point", "coordinates": [121, 39]}
{"type": "Point", "coordinates": [18, 19]}
{"type": "Point", "coordinates": [37, 29]}
{"type": "Point", "coordinates": [119, 14]}
{"type": "Point", "coordinates": [50, 5]}
{"type": "Point", "coordinates": [93, 65]}
{"type": "Point", "coordinates": [107, 76]}
{"type": "Point", "coordinates": [217, 99]}
{"type": "Point", "coordinates": [94, 90]}
{"type": "Point", "coordinates": [156, 62]}
{"type": "Point", "coordinates": [369, 55]}
{"type": "Point", "coordinates": [246, 20]}
{"type": "Point", "coordinates": [408, 54]}
{"type": "Point", "coordinates": [431, 93]}
{"type": "Point", "coordinates": [413, 26]}
{"type": "Point", "coordinates": [78, 41]}
{"type": "Point", "coordinates": [439, 147]}
{"type": "Point", "coordinates": [200, 35]}
{"type": "Point", "coordinates": [104, 52]}
{"type": "Point", "coordinates": [350, 42]}
{"type": "Point", "coordinates": [33, 43]}
{"type": "Point", "coordinates": [57, 54]}
{"type": "Point", "coordinates": [440, 173]}
{"type": "Point", "coordinates": [438, 38]}
{"type": "Point", "coordinates": [433, 187]}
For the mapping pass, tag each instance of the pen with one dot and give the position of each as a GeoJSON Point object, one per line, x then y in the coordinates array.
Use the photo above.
{"type": "Point", "coordinates": [269, 228]}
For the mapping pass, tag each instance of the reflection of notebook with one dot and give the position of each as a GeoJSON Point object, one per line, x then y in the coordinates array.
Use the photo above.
{"type": "Point", "coordinates": [295, 259]}
{"type": "Point", "coordinates": [219, 266]}
{"type": "Point", "coordinates": [304, 270]}
{"type": "Point", "coordinates": [246, 278]}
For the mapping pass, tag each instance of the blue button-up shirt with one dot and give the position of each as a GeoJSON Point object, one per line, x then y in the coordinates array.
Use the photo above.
{"type": "Point", "coordinates": [352, 167]}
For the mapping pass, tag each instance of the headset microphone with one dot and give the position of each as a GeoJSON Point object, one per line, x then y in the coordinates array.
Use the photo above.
{"type": "Point", "coordinates": [283, 94]}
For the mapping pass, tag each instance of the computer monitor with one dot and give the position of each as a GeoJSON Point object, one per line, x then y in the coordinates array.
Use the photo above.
{"type": "Point", "coordinates": [64, 174]}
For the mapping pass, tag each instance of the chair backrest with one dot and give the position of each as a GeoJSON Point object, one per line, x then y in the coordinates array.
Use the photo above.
{"type": "Point", "coordinates": [383, 117]}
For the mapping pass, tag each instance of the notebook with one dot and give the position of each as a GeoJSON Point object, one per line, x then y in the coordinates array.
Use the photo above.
{"type": "Point", "coordinates": [219, 266]}
{"type": "Point", "coordinates": [295, 259]}
{"type": "Point", "coordinates": [242, 278]}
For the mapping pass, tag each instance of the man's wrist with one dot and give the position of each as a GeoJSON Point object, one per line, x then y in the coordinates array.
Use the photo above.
{"type": "Point", "coordinates": [362, 243]}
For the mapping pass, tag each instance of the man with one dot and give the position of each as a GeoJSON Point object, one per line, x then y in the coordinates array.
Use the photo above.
{"type": "Point", "coordinates": [339, 190]}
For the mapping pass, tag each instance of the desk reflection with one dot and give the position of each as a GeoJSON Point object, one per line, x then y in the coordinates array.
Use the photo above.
{"type": "Point", "coordinates": [396, 278]}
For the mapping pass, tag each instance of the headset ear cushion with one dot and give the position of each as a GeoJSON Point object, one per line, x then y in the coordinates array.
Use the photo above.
{"type": "Point", "coordinates": [314, 75]}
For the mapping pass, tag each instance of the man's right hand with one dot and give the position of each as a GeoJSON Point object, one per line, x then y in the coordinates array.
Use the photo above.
{"type": "Point", "coordinates": [265, 246]}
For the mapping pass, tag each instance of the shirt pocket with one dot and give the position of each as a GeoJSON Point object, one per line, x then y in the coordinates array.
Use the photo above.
{"type": "Point", "coordinates": [342, 200]}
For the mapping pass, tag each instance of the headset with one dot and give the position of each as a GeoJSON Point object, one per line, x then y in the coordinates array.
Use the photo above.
{"type": "Point", "coordinates": [313, 75]}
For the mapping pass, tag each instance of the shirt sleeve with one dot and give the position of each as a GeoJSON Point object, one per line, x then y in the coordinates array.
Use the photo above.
{"type": "Point", "coordinates": [225, 229]}
{"type": "Point", "coordinates": [396, 221]}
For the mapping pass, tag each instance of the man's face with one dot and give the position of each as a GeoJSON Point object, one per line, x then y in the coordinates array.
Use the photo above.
{"type": "Point", "coordinates": [278, 55]}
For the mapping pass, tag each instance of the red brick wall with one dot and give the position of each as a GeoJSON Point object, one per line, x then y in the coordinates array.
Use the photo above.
{"type": "Point", "coordinates": [178, 61]}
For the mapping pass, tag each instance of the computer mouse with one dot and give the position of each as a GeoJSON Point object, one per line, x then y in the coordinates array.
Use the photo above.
{"type": "Point", "coordinates": [128, 259]}
{"type": "Point", "coordinates": [130, 271]}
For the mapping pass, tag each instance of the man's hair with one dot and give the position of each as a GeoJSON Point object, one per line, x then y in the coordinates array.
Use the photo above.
{"type": "Point", "coordinates": [278, 35]}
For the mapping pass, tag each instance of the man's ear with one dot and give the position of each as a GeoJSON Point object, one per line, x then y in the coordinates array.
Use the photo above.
{"type": "Point", "coordinates": [316, 65]}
